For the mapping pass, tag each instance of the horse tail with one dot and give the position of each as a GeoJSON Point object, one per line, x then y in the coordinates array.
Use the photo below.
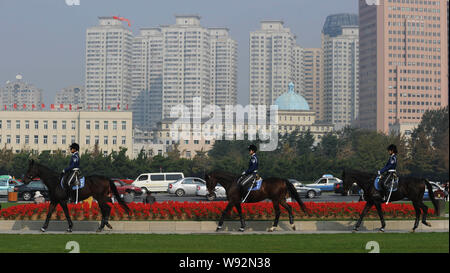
{"type": "Point", "coordinates": [294, 194]}
{"type": "Point", "coordinates": [117, 195]}
{"type": "Point", "coordinates": [431, 194]}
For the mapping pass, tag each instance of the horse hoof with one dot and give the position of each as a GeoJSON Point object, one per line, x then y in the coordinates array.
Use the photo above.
{"type": "Point", "coordinates": [218, 229]}
{"type": "Point", "coordinates": [272, 229]}
{"type": "Point", "coordinates": [241, 229]}
{"type": "Point", "coordinates": [412, 231]}
{"type": "Point", "coordinates": [355, 230]}
{"type": "Point", "coordinates": [109, 226]}
{"type": "Point", "coordinates": [43, 229]}
{"type": "Point", "coordinates": [69, 230]}
{"type": "Point", "coordinates": [99, 230]}
{"type": "Point", "coordinates": [293, 227]}
{"type": "Point", "coordinates": [427, 224]}
{"type": "Point", "coordinates": [381, 230]}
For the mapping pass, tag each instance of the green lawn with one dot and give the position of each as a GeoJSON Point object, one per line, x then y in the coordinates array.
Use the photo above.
{"type": "Point", "coordinates": [295, 243]}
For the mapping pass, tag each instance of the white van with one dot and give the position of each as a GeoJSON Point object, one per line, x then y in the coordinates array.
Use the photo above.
{"type": "Point", "coordinates": [156, 182]}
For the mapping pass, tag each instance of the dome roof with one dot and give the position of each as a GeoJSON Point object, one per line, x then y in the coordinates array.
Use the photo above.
{"type": "Point", "coordinates": [291, 101]}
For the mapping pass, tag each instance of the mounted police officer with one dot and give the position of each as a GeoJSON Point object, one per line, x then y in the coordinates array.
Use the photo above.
{"type": "Point", "coordinates": [389, 168]}
{"type": "Point", "coordinates": [71, 173]}
{"type": "Point", "coordinates": [251, 173]}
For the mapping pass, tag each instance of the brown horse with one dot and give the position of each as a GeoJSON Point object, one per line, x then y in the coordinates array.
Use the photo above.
{"type": "Point", "coordinates": [275, 189]}
{"type": "Point", "coordinates": [96, 186]}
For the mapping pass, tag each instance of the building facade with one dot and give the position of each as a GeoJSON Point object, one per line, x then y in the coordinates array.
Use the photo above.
{"type": "Point", "coordinates": [73, 95]}
{"type": "Point", "coordinates": [312, 80]}
{"type": "Point", "coordinates": [403, 62]}
{"type": "Point", "coordinates": [38, 131]}
{"type": "Point", "coordinates": [272, 62]}
{"type": "Point", "coordinates": [340, 45]}
{"type": "Point", "coordinates": [108, 65]}
{"type": "Point", "coordinates": [19, 93]}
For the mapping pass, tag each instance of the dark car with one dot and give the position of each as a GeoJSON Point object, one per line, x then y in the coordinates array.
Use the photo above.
{"type": "Point", "coordinates": [339, 188]}
{"type": "Point", "coordinates": [27, 191]}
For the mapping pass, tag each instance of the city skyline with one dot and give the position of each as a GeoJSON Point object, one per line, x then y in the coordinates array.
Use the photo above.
{"type": "Point", "coordinates": [22, 56]}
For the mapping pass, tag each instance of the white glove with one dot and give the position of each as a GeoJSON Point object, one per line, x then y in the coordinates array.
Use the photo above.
{"type": "Point", "coordinates": [243, 173]}
{"type": "Point", "coordinates": [379, 173]}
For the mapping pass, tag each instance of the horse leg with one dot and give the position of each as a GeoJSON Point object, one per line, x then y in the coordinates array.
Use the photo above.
{"type": "Point", "coordinates": [276, 207]}
{"type": "Point", "coordinates": [425, 214]}
{"type": "Point", "coordinates": [416, 223]}
{"type": "Point", "coordinates": [103, 209]}
{"type": "Point", "coordinates": [239, 209]}
{"type": "Point", "coordinates": [51, 208]}
{"type": "Point", "coordinates": [363, 213]}
{"type": "Point", "coordinates": [380, 214]}
{"type": "Point", "coordinates": [225, 211]}
{"type": "Point", "coordinates": [291, 215]}
{"type": "Point", "coordinates": [63, 204]}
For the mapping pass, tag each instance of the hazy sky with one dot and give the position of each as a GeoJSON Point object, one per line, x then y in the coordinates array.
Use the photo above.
{"type": "Point", "coordinates": [44, 39]}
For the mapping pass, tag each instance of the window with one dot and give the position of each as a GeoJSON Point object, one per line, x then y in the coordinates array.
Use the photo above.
{"type": "Point", "coordinates": [17, 124]}
{"type": "Point", "coordinates": [36, 139]}
{"type": "Point", "coordinates": [72, 139]}
{"type": "Point", "coordinates": [97, 125]}
{"type": "Point", "coordinates": [114, 140]}
{"type": "Point", "coordinates": [8, 124]}
{"type": "Point", "coordinates": [114, 125]}
{"type": "Point", "coordinates": [105, 140]}
{"type": "Point", "coordinates": [8, 139]}
{"type": "Point", "coordinates": [0, 124]}
{"type": "Point", "coordinates": [96, 140]}
{"type": "Point", "coordinates": [17, 139]}
{"type": "Point", "coordinates": [124, 125]}
{"type": "Point", "coordinates": [88, 140]}
{"type": "Point", "coordinates": [188, 154]}
{"type": "Point", "coordinates": [45, 139]}
{"type": "Point", "coordinates": [64, 125]}
{"type": "Point", "coordinates": [55, 139]}
{"type": "Point", "coordinates": [27, 139]}
{"type": "Point", "coordinates": [105, 125]}
{"type": "Point", "coordinates": [157, 177]}
{"type": "Point", "coordinates": [63, 140]}
{"type": "Point", "coordinates": [88, 124]}
{"type": "Point", "coordinates": [45, 124]}
{"type": "Point", "coordinates": [124, 140]}
{"type": "Point", "coordinates": [73, 124]}
{"type": "Point", "coordinates": [55, 125]}
{"type": "Point", "coordinates": [143, 178]}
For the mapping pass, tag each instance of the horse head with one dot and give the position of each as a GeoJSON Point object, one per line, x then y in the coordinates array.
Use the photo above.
{"type": "Point", "coordinates": [32, 172]}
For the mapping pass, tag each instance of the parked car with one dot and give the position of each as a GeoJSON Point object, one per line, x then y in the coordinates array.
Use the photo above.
{"type": "Point", "coordinates": [125, 180]}
{"type": "Point", "coordinates": [27, 191]}
{"type": "Point", "coordinates": [185, 186]}
{"type": "Point", "coordinates": [7, 184]}
{"type": "Point", "coordinates": [438, 191]}
{"type": "Point", "coordinates": [354, 189]}
{"type": "Point", "coordinates": [325, 183]}
{"type": "Point", "coordinates": [219, 192]}
{"type": "Point", "coordinates": [304, 191]}
{"type": "Point", "coordinates": [122, 187]}
{"type": "Point", "coordinates": [156, 182]}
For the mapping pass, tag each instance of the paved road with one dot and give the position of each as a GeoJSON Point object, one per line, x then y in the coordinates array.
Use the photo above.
{"type": "Point", "coordinates": [160, 197]}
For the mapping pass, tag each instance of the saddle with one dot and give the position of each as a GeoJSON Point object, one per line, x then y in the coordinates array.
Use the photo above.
{"type": "Point", "coordinates": [249, 187]}
{"type": "Point", "coordinates": [73, 179]}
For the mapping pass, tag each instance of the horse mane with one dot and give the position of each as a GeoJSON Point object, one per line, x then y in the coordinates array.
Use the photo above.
{"type": "Point", "coordinates": [46, 169]}
{"type": "Point", "coordinates": [227, 176]}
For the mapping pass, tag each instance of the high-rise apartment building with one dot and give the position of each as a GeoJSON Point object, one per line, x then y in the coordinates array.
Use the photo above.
{"type": "Point", "coordinates": [312, 79]}
{"type": "Point", "coordinates": [19, 92]}
{"type": "Point", "coordinates": [108, 65]}
{"type": "Point", "coordinates": [223, 67]}
{"type": "Point", "coordinates": [403, 61]}
{"type": "Point", "coordinates": [340, 45]}
{"type": "Point", "coordinates": [272, 62]}
{"type": "Point", "coordinates": [74, 95]}
{"type": "Point", "coordinates": [147, 78]}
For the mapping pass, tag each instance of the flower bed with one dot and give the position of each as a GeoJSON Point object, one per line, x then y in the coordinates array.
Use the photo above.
{"type": "Point", "coordinates": [211, 211]}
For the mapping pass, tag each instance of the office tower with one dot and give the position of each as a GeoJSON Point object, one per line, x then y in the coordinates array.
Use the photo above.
{"type": "Point", "coordinates": [403, 62]}
{"type": "Point", "coordinates": [71, 95]}
{"type": "Point", "coordinates": [19, 92]}
{"type": "Point", "coordinates": [312, 80]}
{"type": "Point", "coordinates": [272, 62]}
{"type": "Point", "coordinates": [223, 67]}
{"type": "Point", "coordinates": [340, 45]}
{"type": "Point", "coordinates": [147, 78]}
{"type": "Point", "coordinates": [108, 65]}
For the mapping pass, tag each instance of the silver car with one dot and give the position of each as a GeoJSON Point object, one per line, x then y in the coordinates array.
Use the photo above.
{"type": "Point", "coordinates": [304, 191]}
{"type": "Point", "coordinates": [185, 186]}
{"type": "Point", "coordinates": [219, 192]}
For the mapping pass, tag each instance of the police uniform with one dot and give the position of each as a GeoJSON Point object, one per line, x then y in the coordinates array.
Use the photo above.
{"type": "Point", "coordinates": [390, 165]}
{"type": "Point", "coordinates": [251, 171]}
{"type": "Point", "coordinates": [74, 162]}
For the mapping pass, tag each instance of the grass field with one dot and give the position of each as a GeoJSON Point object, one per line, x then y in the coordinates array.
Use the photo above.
{"type": "Point", "coordinates": [295, 243]}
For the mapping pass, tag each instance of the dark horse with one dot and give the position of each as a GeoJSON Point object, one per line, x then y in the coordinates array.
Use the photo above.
{"type": "Point", "coordinates": [274, 189]}
{"type": "Point", "coordinates": [96, 186]}
{"type": "Point", "coordinates": [408, 187]}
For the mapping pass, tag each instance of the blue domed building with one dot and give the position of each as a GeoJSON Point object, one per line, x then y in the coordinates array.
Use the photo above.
{"type": "Point", "coordinates": [294, 114]}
